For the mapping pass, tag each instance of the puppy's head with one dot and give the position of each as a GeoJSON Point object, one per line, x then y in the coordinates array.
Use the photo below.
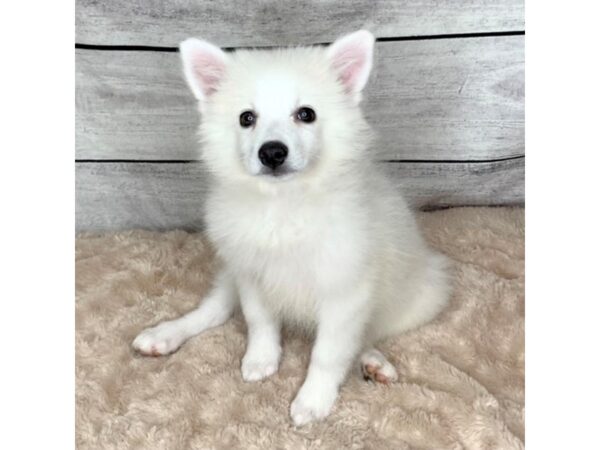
{"type": "Point", "coordinates": [279, 114]}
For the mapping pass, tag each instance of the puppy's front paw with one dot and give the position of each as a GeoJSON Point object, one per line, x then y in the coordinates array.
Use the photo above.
{"type": "Point", "coordinates": [312, 404]}
{"type": "Point", "coordinates": [256, 368]}
{"type": "Point", "coordinates": [160, 340]}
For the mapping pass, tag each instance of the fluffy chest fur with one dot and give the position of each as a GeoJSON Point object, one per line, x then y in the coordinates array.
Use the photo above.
{"type": "Point", "coordinates": [297, 246]}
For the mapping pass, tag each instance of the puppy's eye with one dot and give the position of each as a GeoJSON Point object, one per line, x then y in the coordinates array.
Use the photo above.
{"type": "Point", "coordinates": [247, 119]}
{"type": "Point", "coordinates": [306, 114]}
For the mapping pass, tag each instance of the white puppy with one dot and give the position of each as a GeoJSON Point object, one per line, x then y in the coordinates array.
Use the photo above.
{"type": "Point", "coordinates": [309, 230]}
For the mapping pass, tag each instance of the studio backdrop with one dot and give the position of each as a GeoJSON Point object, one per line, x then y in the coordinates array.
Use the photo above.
{"type": "Point", "coordinates": [445, 99]}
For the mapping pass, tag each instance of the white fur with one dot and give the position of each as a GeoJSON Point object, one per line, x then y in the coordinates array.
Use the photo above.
{"type": "Point", "coordinates": [331, 246]}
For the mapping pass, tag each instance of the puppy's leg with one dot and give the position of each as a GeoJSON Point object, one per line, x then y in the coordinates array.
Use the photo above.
{"type": "Point", "coordinates": [339, 339]}
{"type": "Point", "coordinates": [263, 349]}
{"type": "Point", "coordinates": [168, 336]}
{"type": "Point", "coordinates": [376, 367]}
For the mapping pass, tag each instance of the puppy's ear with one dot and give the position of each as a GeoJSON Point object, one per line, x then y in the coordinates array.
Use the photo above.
{"type": "Point", "coordinates": [204, 66]}
{"type": "Point", "coordinates": [351, 56]}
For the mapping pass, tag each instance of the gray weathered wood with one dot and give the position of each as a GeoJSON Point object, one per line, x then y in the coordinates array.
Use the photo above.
{"type": "Point", "coordinates": [432, 185]}
{"type": "Point", "coordinates": [112, 196]}
{"type": "Point", "coordinates": [432, 99]}
{"type": "Point", "coordinates": [231, 23]}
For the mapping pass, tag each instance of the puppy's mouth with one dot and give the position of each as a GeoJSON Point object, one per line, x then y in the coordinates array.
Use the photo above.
{"type": "Point", "coordinates": [279, 173]}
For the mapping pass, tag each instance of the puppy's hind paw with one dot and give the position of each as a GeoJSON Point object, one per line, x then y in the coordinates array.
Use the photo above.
{"type": "Point", "coordinates": [160, 340]}
{"type": "Point", "coordinates": [376, 368]}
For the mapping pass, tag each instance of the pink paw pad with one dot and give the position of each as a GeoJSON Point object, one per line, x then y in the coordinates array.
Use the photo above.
{"type": "Point", "coordinates": [377, 368]}
{"type": "Point", "coordinates": [373, 373]}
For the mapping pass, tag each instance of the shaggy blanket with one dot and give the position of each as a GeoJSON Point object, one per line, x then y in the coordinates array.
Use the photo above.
{"type": "Point", "coordinates": [461, 377]}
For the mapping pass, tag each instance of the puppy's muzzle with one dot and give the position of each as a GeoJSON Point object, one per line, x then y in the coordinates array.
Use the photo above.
{"type": "Point", "coordinates": [272, 154]}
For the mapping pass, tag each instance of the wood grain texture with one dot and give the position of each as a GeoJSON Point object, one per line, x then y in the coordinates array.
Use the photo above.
{"type": "Point", "coordinates": [434, 99]}
{"type": "Point", "coordinates": [230, 23]}
{"type": "Point", "coordinates": [113, 196]}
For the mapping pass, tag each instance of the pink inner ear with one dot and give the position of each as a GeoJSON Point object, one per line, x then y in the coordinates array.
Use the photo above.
{"type": "Point", "coordinates": [351, 62]}
{"type": "Point", "coordinates": [350, 65]}
{"type": "Point", "coordinates": [208, 69]}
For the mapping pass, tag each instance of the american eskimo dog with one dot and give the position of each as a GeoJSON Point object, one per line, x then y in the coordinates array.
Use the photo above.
{"type": "Point", "coordinates": [309, 230]}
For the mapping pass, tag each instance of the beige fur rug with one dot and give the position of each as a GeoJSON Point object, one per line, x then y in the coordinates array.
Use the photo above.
{"type": "Point", "coordinates": [461, 377]}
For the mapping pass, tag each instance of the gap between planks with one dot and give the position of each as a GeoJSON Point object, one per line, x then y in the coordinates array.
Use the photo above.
{"type": "Point", "coordinates": [153, 48]}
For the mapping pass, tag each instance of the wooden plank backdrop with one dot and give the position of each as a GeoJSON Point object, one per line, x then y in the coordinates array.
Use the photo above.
{"type": "Point", "coordinates": [170, 195]}
{"type": "Point", "coordinates": [431, 99]}
{"type": "Point", "coordinates": [445, 98]}
{"type": "Point", "coordinates": [232, 23]}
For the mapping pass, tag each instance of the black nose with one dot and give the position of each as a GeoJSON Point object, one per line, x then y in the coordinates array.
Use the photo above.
{"type": "Point", "coordinates": [272, 154]}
